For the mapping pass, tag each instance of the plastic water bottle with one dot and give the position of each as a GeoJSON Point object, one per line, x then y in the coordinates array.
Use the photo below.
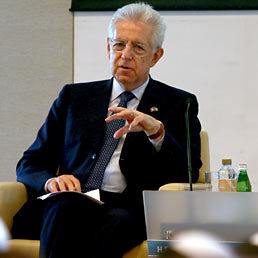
{"type": "Point", "coordinates": [243, 182]}
{"type": "Point", "coordinates": [227, 177]}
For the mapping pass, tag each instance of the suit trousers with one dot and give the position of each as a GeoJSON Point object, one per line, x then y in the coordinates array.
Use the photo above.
{"type": "Point", "coordinates": [71, 225]}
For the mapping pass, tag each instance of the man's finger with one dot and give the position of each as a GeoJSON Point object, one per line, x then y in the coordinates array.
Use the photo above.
{"type": "Point", "coordinates": [116, 109]}
{"type": "Point", "coordinates": [61, 184]}
{"type": "Point", "coordinates": [77, 185]}
{"type": "Point", "coordinates": [121, 113]}
{"type": "Point", "coordinates": [112, 117]}
{"type": "Point", "coordinates": [69, 183]}
{"type": "Point", "coordinates": [53, 186]}
{"type": "Point", "coordinates": [121, 131]}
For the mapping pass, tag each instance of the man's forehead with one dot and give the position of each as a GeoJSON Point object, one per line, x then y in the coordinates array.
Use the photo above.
{"type": "Point", "coordinates": [138, 23]}
{"type": "Point", "coordinates": [132, 30]}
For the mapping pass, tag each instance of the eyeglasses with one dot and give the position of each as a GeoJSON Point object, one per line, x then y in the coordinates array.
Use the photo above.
{"type": "Point", "coordinates": [138, 49]}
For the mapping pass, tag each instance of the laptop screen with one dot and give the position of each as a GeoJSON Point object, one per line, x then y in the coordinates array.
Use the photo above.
{"type": "Point", "coordinates": [231, 217]}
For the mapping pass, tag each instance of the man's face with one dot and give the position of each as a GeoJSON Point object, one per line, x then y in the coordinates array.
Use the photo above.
{"type": "Point", "coordinates": [130, 53]}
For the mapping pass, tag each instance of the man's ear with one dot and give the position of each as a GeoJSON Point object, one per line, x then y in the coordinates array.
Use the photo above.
{"type": "Point", "coordinates": [157, 55]}
{"type": "Point", "coordinates": [108, 48]}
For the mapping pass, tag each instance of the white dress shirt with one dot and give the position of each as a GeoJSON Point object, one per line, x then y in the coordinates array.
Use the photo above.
{"type": "Point", "coordinates": [114, 180]}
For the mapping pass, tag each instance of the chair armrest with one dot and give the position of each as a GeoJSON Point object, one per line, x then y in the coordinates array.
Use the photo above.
{"type": "Point", "coordinates": [12, 197]}
{"type": "Point", "coordinates": [185, 187]}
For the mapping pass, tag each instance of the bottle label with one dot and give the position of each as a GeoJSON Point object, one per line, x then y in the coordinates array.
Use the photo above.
{"type": "Point", "coordinates": [227, 185]}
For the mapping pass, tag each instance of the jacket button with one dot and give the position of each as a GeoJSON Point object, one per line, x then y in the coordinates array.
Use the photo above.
{"type": "Point", "coordinates": [93, 156]}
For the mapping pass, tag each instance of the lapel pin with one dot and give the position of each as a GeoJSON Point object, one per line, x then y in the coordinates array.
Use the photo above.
{"type": "Point", "coordinates": [154, 109]}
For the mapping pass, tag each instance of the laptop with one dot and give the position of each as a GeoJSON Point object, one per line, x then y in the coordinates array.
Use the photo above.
{"type": "Point", "coordinates": [230, 217]}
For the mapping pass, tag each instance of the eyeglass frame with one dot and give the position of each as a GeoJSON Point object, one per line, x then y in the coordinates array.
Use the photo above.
{"type": "Point", "coordinates": [126, 42]}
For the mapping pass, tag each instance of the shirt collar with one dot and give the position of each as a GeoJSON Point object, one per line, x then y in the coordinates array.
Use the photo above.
{"type": "Point", "coordinates": [118, 89]}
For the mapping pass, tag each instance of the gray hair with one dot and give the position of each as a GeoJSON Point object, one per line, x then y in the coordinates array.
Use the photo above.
{"type": "Point", "coordinates": [143, 13]}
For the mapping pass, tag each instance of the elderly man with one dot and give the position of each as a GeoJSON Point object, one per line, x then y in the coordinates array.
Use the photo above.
{"type": "Point", "coordinates": [122, 136]}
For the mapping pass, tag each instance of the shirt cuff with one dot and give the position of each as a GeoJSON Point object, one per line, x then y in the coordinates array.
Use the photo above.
{"type": "Point", "coordinates": [157, 144]}
{"type": "Point", "coordinates": [45, 187]}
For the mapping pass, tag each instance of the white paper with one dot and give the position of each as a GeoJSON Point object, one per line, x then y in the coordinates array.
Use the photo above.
{"type": "Point", "coordinates": [93, 195]}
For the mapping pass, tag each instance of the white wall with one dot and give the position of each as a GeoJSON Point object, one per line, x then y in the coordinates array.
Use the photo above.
{"type": "Point", "coordinates": [36, 60]}
{"type": "Point", "coordinates": [211, 54]}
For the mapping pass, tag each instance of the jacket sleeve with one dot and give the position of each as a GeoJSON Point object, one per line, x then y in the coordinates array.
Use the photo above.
{"type": "Point", "coordinates": [40, 161]}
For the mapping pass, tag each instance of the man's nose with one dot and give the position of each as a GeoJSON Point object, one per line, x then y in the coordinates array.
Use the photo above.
{"type": "Point", "coordinates": [127, 52]}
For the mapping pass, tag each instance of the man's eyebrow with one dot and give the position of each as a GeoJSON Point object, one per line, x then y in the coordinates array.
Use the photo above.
{"type": "Point", "coordinates": [139, 42]}
{"type": "Point", "coordinates": [135, 42]}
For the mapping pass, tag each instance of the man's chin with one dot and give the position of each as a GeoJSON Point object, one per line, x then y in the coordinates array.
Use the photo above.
{"type": "Point", "coordinates": [124, 80]}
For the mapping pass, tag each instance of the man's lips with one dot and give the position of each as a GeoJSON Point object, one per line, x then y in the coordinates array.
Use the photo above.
{"type": "Point", "coordinates": [124, 67]}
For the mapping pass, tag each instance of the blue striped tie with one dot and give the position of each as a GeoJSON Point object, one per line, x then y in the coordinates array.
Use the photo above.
{"type": "Point", "coordinates": [109, 145]}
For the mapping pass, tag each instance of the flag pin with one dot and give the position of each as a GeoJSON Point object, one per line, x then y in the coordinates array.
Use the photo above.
{"type": "Point", "coordinates": [153, 109]}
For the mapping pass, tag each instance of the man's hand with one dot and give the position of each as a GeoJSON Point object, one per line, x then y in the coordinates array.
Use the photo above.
{"type": "Point", "coordinates": [64, 183]}
{"type": "Point", "coordinates": [137, 121]}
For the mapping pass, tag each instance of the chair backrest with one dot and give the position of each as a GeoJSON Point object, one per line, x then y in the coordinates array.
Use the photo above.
{"type": "Point", "coordinates": [205, 156]}
{"type": "Point", "coordinates": [12, 197]}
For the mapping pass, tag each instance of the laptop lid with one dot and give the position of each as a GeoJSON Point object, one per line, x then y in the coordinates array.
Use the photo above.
{"type": "Point", "coordinates": [232, 217]}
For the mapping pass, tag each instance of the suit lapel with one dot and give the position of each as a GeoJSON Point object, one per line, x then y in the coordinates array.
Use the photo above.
{"type": "Point", "coordinates": [102, 97]}
{"type": "Point", "coordinates": [151, 100]}
{"type": "Point", "coordinates": [98, 107]}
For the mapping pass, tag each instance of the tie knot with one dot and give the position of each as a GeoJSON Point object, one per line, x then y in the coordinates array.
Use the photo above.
{"type": "Point", "coordinates": [125, 97]}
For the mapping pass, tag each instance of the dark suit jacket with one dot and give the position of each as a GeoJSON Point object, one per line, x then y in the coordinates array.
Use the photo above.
{"type": "Point", "coordinates": [70, 139]}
